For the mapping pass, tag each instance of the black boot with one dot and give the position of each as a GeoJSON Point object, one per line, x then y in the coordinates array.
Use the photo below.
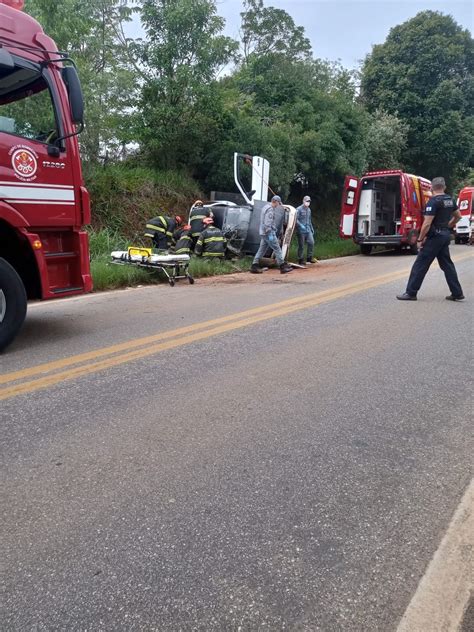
{"type": "Point", "coordinates": [301, 262]}
{"type": "Point", "coordinates": [255, 269]}
{"type": "Point", "coordinates": [284, 268]}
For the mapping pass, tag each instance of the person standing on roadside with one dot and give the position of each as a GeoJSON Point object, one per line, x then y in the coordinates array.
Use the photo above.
{"type": "Point", "coordinates": [441, 214]}
{"type": "Point", "coordinates": [268, 238]}
{"type": "Point", "coordinates": [305, 232]}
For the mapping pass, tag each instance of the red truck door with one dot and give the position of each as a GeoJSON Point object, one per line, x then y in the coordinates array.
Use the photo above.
{"type": "Point", "coordinates": [349, 207]}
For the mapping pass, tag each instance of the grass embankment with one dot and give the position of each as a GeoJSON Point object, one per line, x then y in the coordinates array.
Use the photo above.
{"type": "Point", "coordinates": [108, 276]}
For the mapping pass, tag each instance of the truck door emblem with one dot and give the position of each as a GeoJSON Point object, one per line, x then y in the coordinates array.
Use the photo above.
{"type": "Point", "coordinates": [24, 162]}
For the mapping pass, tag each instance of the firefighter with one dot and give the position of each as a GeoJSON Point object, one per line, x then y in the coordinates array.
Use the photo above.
{"type": "Point", "coordinates": [211, 242]}
{"type": "Point", "coordinates": [196, 216]}
{"type": "Point", "coordinates": [160, 230]}
{"type": "Point", "coordinates": [441, 214]}
{"type": "Point", "coordinates": [183, 240]}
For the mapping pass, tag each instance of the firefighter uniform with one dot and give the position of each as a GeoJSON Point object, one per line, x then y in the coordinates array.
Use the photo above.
{"type": "Point", "coordinates": [196, 216]}
{"type": "Point", "coordinates": [183, 241]}
{"type": "Point", "coordinates": [210, 243]}
{"type": "Point", "coordinates": [160, 230]}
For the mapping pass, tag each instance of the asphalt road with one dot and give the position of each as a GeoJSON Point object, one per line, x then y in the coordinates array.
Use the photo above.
{"type": "Point", "coordinates": [290, 468]}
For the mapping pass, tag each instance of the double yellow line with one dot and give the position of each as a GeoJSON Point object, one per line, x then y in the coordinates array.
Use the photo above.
{"type": "Point", "coordinates": [51, 373]}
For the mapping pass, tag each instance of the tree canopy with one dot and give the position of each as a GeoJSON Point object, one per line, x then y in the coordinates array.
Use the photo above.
{"type": "Point", "coordinates": [424, 74]}
{"type": "Point", "coordinates": [185, 96]}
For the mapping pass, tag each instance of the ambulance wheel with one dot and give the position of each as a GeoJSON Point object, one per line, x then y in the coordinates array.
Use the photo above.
{"type": "Point", "coordinates": [171, 282]}
{"type": "Point", "coordinates": [12, 303]}
{"type": "Point", "coordinates": [190, 279]}
{"type": "Point", "coordinates": [365, 249]}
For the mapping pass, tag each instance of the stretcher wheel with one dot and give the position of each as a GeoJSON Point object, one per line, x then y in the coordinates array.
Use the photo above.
{"type": "Point", "coordinates": [190, 279]}
{"type": "Point", "coordinates": [171, 282]}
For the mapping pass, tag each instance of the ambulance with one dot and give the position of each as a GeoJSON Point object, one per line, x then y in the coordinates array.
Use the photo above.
{"type": "Point", "coordinates": [383, 208]}
{"type": "Point", "coordinates": [464, 228]}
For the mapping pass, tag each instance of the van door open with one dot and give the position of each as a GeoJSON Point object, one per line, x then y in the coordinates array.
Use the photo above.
{"type": "Point", "coordinates": [349, 207]}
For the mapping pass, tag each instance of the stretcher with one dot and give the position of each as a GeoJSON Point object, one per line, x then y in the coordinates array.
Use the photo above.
{"type": "Point", "coordinates": [174, 267]}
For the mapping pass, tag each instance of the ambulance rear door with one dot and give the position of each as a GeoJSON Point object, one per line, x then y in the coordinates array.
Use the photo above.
{"type": "Point", "coordinates": [347, 225]}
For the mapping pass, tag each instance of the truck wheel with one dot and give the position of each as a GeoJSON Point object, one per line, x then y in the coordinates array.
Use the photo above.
{"type": "Point", "coordinates": [366, 249]}
{"type": "Point", "coordinates": [12, 303]}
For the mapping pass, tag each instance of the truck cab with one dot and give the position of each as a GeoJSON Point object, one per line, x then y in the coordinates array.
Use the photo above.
{"type": "Point", "coordinates": [43, 201]}
{"type": "Point", "coordinates": [383, 208]}
{"type": "Point", "coordinates": [464, 228]}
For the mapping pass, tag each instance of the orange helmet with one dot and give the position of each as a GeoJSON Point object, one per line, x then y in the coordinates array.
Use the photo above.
{"type": "Point", "coordinates": [178, 219]}
{"type": "Point", "coordinates": [208, 220]}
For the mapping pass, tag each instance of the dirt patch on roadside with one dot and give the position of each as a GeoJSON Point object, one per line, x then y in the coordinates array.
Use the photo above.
{"type": "Point", "coordinates": [317, 271]}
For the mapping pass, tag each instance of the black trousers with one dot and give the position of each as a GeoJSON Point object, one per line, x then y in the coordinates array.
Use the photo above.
{"type": "Point", "coordinates": [160, 241]}
{"type": "Point", "coordinates": [436, 247]}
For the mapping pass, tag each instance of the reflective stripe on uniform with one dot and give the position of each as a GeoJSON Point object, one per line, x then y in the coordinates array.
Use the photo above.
{"type": "Point", "coordinates": [213, 239]}
{"type": "Point", "coordinates": [212, 254]}
{"type": "Point", "coordinates": [158, 229]}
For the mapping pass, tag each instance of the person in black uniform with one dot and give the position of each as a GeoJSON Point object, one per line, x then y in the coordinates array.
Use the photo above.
{"type": "Point", "coordinates": [211, 242]}
{"type": "Point", "coordinates": [160, 230]}
{"type": "Point", "coordinates": [441, 214]}
{"type": "Point", "coordinates": [182, 240]}
{"type": "Point", "coordinates": [197, 214]}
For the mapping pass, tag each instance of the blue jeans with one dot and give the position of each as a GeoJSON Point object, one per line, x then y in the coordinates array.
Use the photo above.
{"type": "Point", "coordinates": [266, 242]}
{"type": "Point", "coordinates": [308, 239]}
{"type": "Point", "coordinates": [436, 247]}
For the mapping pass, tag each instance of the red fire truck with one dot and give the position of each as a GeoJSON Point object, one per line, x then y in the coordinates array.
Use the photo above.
{"type": "Point", "coordinates": [383, 208]}
{"type": "Point", "coordinates": [44, 251]}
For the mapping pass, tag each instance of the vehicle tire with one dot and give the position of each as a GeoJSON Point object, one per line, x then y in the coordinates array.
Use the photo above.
{"type": "Point", "coordinates": [414, 249]}
{"type": "Point", "coordinates": [365, 249]}
{"type": "Point", "coordinates": [12, 303]}
{"type": "Point", "coordinates": [457, 240]}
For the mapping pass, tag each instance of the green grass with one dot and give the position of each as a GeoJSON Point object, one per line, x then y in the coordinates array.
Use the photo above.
{"type": "Point", "coordinates": [328, 249]}
{"type": "Point", "coordinates": [107, 276]}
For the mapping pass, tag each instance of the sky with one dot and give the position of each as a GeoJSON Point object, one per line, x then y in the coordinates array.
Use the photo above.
{"type": "Point", "coordinates": [344, 30]}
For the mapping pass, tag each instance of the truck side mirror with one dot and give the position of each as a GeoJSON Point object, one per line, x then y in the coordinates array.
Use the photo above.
{"type": "Point", "coordinates": [6, 60]}
{"type": "Point", "coordinates": [74, 90]}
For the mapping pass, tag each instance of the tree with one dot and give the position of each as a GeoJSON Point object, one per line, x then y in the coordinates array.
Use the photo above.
{"type": "Point", "coordinates": [386, 140]}
{"type": "Point", "coordinates": [90, 31]}
{"type": "Point", "coordinates": [182, 55]}
{"type": "Point", "coordinates": [423, 74]}
{"type": "Point", "coordinates": [267, 30]}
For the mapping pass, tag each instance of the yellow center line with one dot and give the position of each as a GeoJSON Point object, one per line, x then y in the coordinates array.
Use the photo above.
{"type": "Point", "coordinates": [48, 367]}
{"type": "Point", "coordinates": [188, 335]}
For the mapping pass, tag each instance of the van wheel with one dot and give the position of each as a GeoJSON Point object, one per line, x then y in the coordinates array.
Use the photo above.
{"type": "Point", "coordinates": [12, 303]}
{"type": "Point", "coordinates": [365, 249]}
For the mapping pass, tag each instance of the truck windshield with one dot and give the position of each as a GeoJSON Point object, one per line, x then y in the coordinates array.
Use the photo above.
{"type": "Point", "coordinates": [26, 105]}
